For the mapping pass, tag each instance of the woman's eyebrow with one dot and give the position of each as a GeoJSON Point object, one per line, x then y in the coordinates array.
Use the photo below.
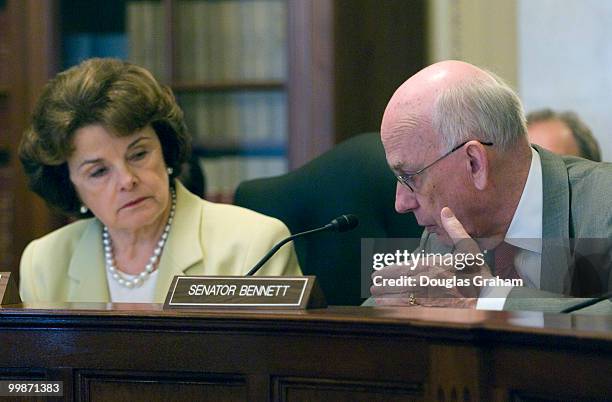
{"type": "Point", "coordinates": [137, 140]}
{"type": "Point", "coordinates": [89, 161]}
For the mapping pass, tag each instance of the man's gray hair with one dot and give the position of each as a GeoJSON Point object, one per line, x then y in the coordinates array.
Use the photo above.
{"type": "Point", "coordinates": [479, 109]}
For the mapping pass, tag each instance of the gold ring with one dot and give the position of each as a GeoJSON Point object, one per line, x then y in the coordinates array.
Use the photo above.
{"type": "Point", "coordinates": [412, 300]}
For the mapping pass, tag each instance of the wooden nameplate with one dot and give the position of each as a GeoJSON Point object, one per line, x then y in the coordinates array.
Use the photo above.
{"type": "Point", "coordinates": [244, 292]}
{"type": "Point", "coordinates": [8, 290]}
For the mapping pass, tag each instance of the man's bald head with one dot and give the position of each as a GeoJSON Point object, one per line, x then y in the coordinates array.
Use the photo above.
{"type": "Point", "coordinates": [417, 95]}
{"type": "Point", "coordinates": [459, 101]}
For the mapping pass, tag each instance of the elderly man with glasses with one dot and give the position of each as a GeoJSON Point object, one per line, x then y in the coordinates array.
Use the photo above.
{"type": "Point", "coordinates": [455, 138]}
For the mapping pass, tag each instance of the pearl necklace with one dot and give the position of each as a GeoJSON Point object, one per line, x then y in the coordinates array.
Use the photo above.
{"type": "Point", "coordinates": [144, 275]}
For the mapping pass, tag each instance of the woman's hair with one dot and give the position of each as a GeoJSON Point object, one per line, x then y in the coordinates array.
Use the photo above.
{"type": "Point", "coordinates": [117, 95]}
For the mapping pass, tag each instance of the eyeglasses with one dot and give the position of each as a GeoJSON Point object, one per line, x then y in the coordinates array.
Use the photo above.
{"type": "Point", "coordinates": [408, 178]}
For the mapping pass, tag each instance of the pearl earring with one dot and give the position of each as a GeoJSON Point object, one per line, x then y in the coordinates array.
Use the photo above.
{"type": "Point", "coordinates": [170, 171]}
{"type": "Point", "coordinates": [83, 209]}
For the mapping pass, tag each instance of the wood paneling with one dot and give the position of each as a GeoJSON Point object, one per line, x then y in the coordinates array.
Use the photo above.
{"type": "Point", "coordinates": [139, 352]}
{"type": "Point", "coordinates": [317, 389]}
{"type": "Point", "coordinates": [378, 45]}
{"type": "Point", "coordinates": [311, 78]}
{"type": "Point", "coordinates": [125, 386]}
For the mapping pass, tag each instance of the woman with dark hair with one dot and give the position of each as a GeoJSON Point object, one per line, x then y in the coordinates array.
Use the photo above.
{"type": "Point", "coordinates": [106, 143]}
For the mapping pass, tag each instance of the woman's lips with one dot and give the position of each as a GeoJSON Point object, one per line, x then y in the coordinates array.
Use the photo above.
{"type": "Point", "coordinates": [134, 202]}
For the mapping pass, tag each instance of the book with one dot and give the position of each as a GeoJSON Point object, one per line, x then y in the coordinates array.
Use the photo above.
{"type": "Point", "coordinates": [276, 39]}
{"type": "Point", "coordinates": [229, 40]}
{"type": "Point", "coordinates": [199, 43]}
{"type": "Point", "coordinates": [145, 22]}
{"type": "Point", "coordinates": [279, 124]}
{"type": "Point", "coordinates": [185, 28]}
{"type": "Point", "coordinates": [215, 60]}
{"type": "Point", "coordinates": [134, 28]}
{"type": "Point", "coordinates": [203, 120]}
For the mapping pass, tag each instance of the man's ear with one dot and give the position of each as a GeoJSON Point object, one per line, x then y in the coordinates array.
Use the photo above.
{"type": "Point", "coordinates": [477, 164]}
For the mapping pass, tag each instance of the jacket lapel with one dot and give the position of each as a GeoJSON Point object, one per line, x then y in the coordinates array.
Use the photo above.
{"type": "Point", "coordinates": [183, 248]}
{"type": "Point", "coordinates": [86, 271]}
{"type": "Point", "coordinates": [555, 223]}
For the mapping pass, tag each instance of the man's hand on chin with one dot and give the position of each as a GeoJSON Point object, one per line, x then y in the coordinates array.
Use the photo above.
{"type": "Point", "coordinates": [460, 290]}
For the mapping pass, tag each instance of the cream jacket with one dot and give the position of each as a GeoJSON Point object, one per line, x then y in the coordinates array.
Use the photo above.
{"type": "Point", "coordinates": [67, 265]}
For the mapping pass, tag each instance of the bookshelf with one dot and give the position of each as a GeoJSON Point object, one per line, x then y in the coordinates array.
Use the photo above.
{"type": "Point", "coordinates": [337, 63]}
{"type": "Point", "coordinates": [224, 59]}
{"type": "Point", "coordinates": [229, 72]}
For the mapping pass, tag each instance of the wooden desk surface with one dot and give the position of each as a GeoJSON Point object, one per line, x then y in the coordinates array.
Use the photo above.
{"type": "Point", "coordinates": [138, 351]}
{"type": "Point", "coordinates": [436, 322]}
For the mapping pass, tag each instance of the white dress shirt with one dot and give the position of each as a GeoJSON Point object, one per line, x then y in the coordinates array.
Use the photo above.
{"type": "Point", "coordinates": [525, 232]}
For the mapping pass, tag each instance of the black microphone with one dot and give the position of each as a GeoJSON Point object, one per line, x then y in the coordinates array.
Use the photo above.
{"type": "Point", "coordinates": [587, 303]}
{"type": "Point", "coordinates": [342, 223]}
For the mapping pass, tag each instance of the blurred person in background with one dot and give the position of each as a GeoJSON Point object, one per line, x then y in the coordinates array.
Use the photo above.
{"type": "Point", "coordinates": [562, 133]}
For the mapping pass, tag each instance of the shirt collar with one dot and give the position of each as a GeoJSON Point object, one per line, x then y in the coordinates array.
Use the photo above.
{"type": "Point", "coordinates": [525, 230]}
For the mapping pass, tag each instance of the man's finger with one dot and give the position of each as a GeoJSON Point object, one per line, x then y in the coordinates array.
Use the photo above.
{"type": "Point", "coordinates": [462, 240]}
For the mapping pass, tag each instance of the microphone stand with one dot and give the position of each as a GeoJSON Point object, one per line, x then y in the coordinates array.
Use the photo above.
{"type": "Point", "coordinates": [282, 243]}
